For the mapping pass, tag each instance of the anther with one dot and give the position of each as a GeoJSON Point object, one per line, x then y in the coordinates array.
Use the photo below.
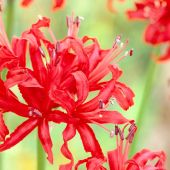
{"type": "Point", "coordinates": [34, 112]}
{"type": "Point", "coordinates": [131, 52]}
{"type": "Point", "coordinates": [101, 104]}
{"type": "Point", "coordinates": [112, 133]}
{"type": "Point", "coordinates": [121, 134]}
{"type": "Point", "coordinates": [116, 130]}
{"type": "Point", "coordinates": [40, 17]}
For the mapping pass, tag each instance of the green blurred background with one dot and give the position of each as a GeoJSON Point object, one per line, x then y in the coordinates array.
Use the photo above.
{"type": "Point", "coordinates": [104, 25]}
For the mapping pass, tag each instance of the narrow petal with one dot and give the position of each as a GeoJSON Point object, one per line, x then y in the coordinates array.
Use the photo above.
{"type": "Point", "coordinates": [42, 22]}
{"type": "Point", "coordinates": [103, 95]}
{"type": "Point", "coordinates": [3, 128]}
{"type": "Point", "coordinates": [164, 57]}
{"type": "Point", "coordinates": [58, 117]}
{"type": "Point", "coordinates": [68, 134]}
{"type": "Point", "coordinates": [82, 57]}
{"type": "Point", "coordinates": [104, 117]}
{"type": "Point", "coordinates": [93, 52]}
{"type": "Point", "coordinates": [143, 160]}
{"type": "Point", "coordinates": [9, 102]}
{"type": "Point", "coordinates": [123, 95]}
{"type": "Point", "coordinates": [89, 141]}
{"type": "Point", "coordinates": [81, 85]}
{"type": "Point", "coordinates": [91, 163]}
{"type": "Point", "coordinates": [19, 47]}
{"type": "Point", "coordinates": [21, 76]}
{"type": "Point", "coordinates": [19, 134]}
{"type": "Point", "coordinates": [62, 98]}
{"type": "Point", "coordinates": [7, 58]}
{"type": "Point", "coordinates": [44, 135]}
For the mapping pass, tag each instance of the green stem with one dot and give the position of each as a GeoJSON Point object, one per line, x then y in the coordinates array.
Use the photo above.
{"type": "Point", "coordinates": [144, 103]}
{"type": "Point", "coordinates": [10, 17]}
{"type": "Point", "coordinates": [40, 157]}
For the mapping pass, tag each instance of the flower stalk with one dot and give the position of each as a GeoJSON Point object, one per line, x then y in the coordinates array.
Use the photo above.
{"type": "Point", "coordinates": [144, 102]}
{"type": "Point", "coordinates": [10, 17]}
{"type": "Point", "coordinates": [40, 157]}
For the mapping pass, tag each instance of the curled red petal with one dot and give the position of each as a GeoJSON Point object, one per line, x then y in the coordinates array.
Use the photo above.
{"type": "Point", "coordinates": [62, 98]}
{"type": "Point", "coordinates": [21, 76]}
{"type": "Point", "coordinates": [9, 102]}
{"type": "Point", "coordinates": [42, 22]}
{"type": "Point", "coordinates": [44, 135]}
{"type": "Point", "coordinates": [143, 158]}
{"type": "Point", "coordinates": [164, 57]}
{"type": "Point", "coordinates": [82, 57]}
{"type": "Point", "coordinates": [123, 95]}
{"type": "Point", "coordinates": [68, 133]}
{"type": "Point", "coordinates": [81, 85]}
{"type": "Point", "coordinates": [19, 134]}
{"type": "Point", "coordinates": [58, 117]}
{"type": "Point", "coordinates": [104, 95]}
{"type": "Point", "coordinates": [19, 47]}
{"type": "Point", "coordinates": [3, 128]}
{"type": "Point", "coordinates": [91, 163]}
{"type": "Point", "coordinates": [7, 58]}
{"type": "Point", "coordinates": [93, 52]}
{"type": "Point", "coordinates": [89, 141]}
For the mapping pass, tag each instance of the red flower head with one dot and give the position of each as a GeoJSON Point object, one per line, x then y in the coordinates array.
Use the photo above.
{"type": "Point", "coordinates": [118, 158]}
{"type": "Point", "coordinates": [62, 74]}
{"type": "Point", "coordinates": [57, 4]}
{"type": "Point", "coordinates": [157, 12]}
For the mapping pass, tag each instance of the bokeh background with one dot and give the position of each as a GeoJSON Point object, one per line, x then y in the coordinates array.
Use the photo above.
{"type": "Point", "coordinates": [100, 23]}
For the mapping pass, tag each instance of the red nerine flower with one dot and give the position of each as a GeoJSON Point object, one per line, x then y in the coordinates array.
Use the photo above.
{"type": "Point", "coordinates": [157, 12]}
{"type": "Point", "coordinates": [143, 160]}
{"type": "Point", "coordinates": [57, 4]}
{"type": "Point", "coordinates": [62, 74]}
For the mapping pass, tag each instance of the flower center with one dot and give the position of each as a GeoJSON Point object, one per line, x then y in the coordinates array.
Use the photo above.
{"type": "Point", "coordinates": [34, 112]}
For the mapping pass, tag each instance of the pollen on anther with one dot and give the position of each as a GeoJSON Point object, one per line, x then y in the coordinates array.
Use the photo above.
{"type": "Point", "coordinates": [100, 115]}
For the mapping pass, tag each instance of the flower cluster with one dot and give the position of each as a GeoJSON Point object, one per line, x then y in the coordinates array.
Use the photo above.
{"type": "Point", "coordinates": [157, 12]}
{"type": "Point", "coordinates": [56, 79]}
{"type": "Point", "coordinates": [57, 4]}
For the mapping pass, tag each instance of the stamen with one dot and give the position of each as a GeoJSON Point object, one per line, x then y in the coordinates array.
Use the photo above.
{"type": "Point", "coordinates": [52, 35]}
{"type": "Point", "coordinates": [117, 41]}
{"type": "Point", "coordinates": [121, 134]}
{"type": "Point", "coordinates": [34, 112]}
{"type": "Point", "coordinates": [112, 133]}
{"type": "Point", "coordinates": [116, 130]}
{"type": "Point", "coordinates": [101, 104]}
{"type": "Point", "coordinates": [103, 127]}
{"type": "Point", "coordinates": [42, 52]}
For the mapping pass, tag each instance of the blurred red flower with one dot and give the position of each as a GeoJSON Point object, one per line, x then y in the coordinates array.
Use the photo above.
{"type": "Point", "coordinates": [157, 12]}
{"type": "Point", "coordinates": [57, 4]}
{"type": "Point", "coordinates": [111, 6]}
{"type": "Point", "coordinates": [62, 74]}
